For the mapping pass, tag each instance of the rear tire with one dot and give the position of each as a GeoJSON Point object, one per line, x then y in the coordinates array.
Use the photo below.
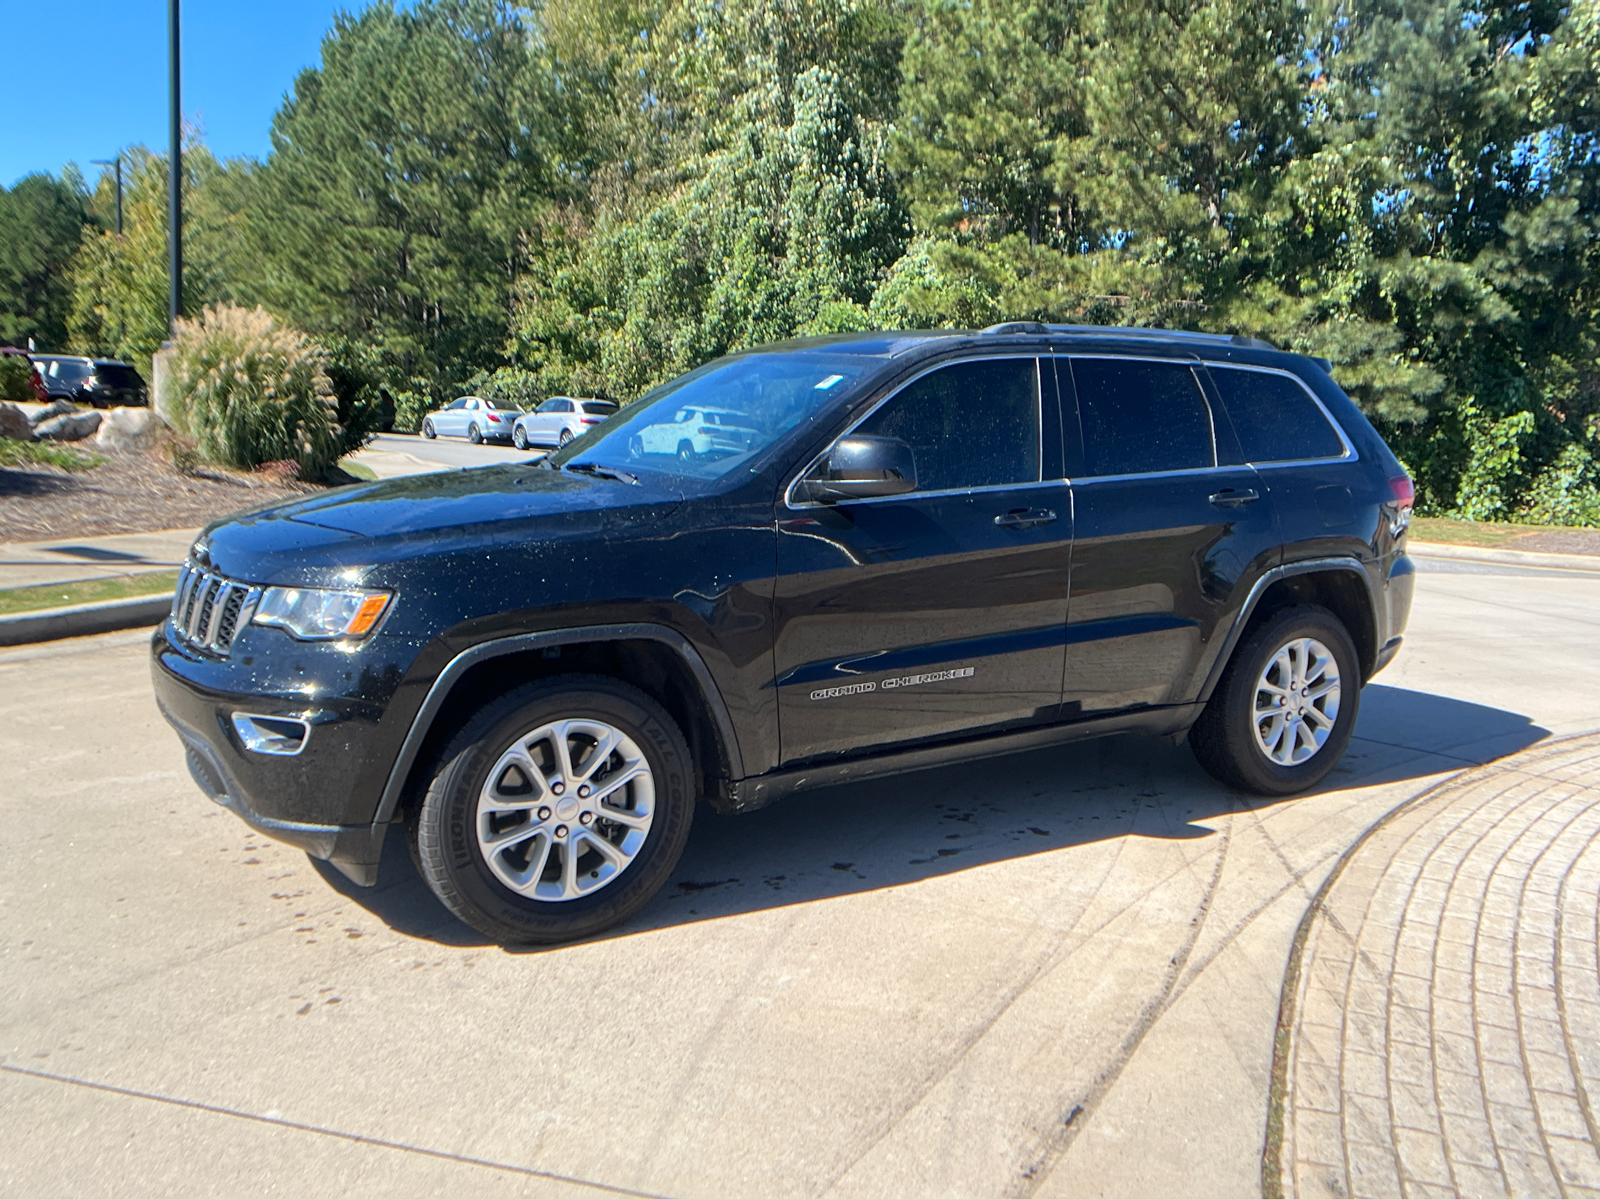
{"type": "Point", "coordinates": [428, 430]}
{"type": "Point", "coordinates": [470, 801]}
{"type": "Point", "coordinates": [1281, 716]}
{"type": "Point", "coordinates": [566, 436]}
{"type": "Point", "coordinates": [685, 451]}
{"type": "Point", "coordinates": [475, 436]}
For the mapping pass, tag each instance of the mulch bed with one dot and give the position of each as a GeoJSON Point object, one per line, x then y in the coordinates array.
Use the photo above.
{"type": "Point", "coordinates": [1559, 541]}
{"type": "Point", "coordinates": [132, 492]}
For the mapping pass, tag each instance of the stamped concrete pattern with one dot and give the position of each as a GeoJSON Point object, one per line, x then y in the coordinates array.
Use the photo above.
{"type": "Point", "coordinates": [1447, 1031]}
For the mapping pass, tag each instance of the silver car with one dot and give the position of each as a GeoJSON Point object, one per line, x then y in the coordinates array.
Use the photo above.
{"type": "Point", "coordinates": [474, 418]}
{"type": "Point", "coordinates": [558, 420]}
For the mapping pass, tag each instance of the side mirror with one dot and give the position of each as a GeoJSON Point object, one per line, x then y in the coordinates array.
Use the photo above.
{"type": "Point", "coordinates": [861, 467]}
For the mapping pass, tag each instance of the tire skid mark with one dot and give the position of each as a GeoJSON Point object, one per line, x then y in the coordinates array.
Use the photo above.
{"type": "Point", "coordinates": [1046, 960]}
{"type": "Point", "coordinates": [1073, 1114]}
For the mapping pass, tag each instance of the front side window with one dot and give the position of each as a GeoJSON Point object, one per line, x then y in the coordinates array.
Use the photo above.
{"type": "Point", "coordinates": [1140, 417]}
{"type": "Point", "coordinates": [1275, 417]}
{"type": "Point", "coordinates": [971, 424]}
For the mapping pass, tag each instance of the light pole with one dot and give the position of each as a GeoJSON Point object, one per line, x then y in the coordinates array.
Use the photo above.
{"type": "Point", "coordinates": [114, 162]}
{"type": "Point", "coordinates": [174, 177]}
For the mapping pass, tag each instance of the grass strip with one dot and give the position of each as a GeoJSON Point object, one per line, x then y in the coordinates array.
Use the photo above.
{"type": "Point", "coordinates": [1473, 533]}
{"type": "Point", "coordinates": [16, 453]}
{"type": "Point", "coordinates": [86, 591]}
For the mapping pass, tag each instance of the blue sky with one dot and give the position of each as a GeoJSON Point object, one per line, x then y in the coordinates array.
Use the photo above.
{"type": "Point", "coordinates": [85, 77]}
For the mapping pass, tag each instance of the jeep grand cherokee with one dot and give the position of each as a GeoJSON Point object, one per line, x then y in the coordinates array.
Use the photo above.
{"type": "Point", "coordinates": [926, 548]}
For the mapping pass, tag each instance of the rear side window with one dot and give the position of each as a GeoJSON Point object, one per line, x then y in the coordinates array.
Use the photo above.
{"type": "Point", "coordinates": [972, 424]}
{"type": "Point", "coordinates": [118, 376]}
{"type": "Point", "coordinates": [1139, 417]}
{"type": "Point", "coordinates": [1275, 417]}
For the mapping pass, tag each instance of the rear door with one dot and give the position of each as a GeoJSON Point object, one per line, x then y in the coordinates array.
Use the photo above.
{"type": "Point", "coordinates": [1303, 459]}
{"type": "Point", "coordinates": [1167, 541]}
{"type": "Point", "coordinates": [939, 613]}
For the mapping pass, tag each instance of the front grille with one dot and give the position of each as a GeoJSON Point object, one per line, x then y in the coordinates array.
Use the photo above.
{"type": "Point", "coordinates": [209, 609]}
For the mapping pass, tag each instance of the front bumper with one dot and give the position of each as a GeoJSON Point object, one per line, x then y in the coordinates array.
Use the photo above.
{"type": "Point", "coordinates": [322, 799]}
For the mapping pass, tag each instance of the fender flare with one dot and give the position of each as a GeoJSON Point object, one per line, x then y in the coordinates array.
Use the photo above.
{"type": "Point", "coordinates": [1308, 566]}
{"type": "Point", "coordinates": [389, 801]}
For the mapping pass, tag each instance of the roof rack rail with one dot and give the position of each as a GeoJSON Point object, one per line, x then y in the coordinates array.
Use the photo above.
{"type": "Point", "coordinates": [1186, 335]}
{"type": "Point", "coordinates": [1018, 327]}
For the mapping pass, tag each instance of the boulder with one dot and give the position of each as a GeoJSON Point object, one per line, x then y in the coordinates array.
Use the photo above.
{"type": "Point", "coordinates": [14, 423]}
{"type": "Point", "coordinates": [56, 408]}
{"type": "Point", "coordinates": [68, 427]}
{"type": "Point", "coordinates": [129, 429]}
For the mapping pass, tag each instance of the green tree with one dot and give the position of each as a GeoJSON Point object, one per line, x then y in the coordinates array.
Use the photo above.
{"type": "Point", "coordinates": [404, 172]}
{"type": "Point", "coordinates": [119, 282]}
{"type": "Point", "coordinates": [41, 219]}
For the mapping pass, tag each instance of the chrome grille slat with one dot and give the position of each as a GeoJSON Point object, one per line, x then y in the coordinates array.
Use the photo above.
{"type": "Point", "coordinates": [209, 609]}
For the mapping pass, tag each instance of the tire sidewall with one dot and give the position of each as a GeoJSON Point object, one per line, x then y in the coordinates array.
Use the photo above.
{"type": "Point", "coordinates": [428, 430]}
{"type": "Point", "coordinates": [519, 437]}
{"type": "Point", "coordinates": [1260, 773]}
{"type": "Point", "coordinates": [447, 837]}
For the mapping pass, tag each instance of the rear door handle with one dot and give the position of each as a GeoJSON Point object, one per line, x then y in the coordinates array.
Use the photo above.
{"type": "Point", "coordinates": [1025, 518]}
{"type": "Point", "coordinates": [1230, 498]}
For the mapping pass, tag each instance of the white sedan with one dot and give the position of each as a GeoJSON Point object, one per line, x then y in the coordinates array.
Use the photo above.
{"type": "Point", "coordinates": [474, 418]}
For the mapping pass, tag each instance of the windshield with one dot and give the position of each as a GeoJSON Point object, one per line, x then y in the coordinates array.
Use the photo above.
{"type": "Point", "coordinates": [704, 424]}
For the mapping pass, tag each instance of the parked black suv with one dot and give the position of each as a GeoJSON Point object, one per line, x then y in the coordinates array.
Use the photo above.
{"type": "Point", "coordinates": [930, 547]}
{"type": "Point", "coordinates": [102, 382]}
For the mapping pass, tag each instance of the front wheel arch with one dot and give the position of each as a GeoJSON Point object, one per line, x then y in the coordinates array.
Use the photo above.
{"type": "Point", "coordinates": [659, 659]}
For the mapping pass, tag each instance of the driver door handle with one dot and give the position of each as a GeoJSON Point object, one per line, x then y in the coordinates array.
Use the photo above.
{"type": "Point", "coordinates": [1230, 498]}
{"type": "Point", "coordinates": [1025, 518]}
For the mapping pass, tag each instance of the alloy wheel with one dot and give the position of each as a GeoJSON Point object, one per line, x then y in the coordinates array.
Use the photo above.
{"type": "Point", "coordinates": [1296, 701]}
{"type": "Point", "coordinates": [565, 810]}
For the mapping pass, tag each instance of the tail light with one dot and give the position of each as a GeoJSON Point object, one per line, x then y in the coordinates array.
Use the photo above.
{"type": "Point", "coordinates": [493, 417]}
{"type": "Point", "coordinates": [590, 420]}
{"type": "Point", "coordinates": [1402, 492]}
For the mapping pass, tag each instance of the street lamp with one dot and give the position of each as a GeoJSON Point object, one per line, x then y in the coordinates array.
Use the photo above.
{"type": "Point", "coordinates": [174, 178]}
{"type": "Point", "coordinates": [114, 162]}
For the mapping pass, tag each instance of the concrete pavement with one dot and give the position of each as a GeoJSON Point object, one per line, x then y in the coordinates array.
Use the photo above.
{"type": "Point", "coordinates": [73, 560]}
{"type": "Point", "coordinates": [1056, 974]}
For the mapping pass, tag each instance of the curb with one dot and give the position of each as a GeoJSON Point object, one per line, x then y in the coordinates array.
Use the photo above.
{"type": "Point", "coordinates": [1521, 558]}
{"type": "Point", "coordinates": [51, 624]}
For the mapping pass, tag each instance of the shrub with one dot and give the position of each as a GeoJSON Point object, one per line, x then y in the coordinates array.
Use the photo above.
{"type": "Point", "coordinates": [1567, 492]}
{"type": "Point", "coordinates": [250, 390]}
{"type": "Point", "coordinates": [16, 379]}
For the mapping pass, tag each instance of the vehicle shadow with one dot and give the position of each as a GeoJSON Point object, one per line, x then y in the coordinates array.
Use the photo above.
{"type": "Point", "coordinates": [865, 836]}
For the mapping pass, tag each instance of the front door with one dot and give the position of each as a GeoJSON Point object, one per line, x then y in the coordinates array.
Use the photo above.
{"type": "Point", "coordinates": [938, 613]}
{"type": "Point", "coordinates": [1167, 542]}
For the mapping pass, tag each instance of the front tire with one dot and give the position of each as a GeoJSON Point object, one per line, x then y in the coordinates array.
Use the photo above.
{"type": "Point", "coordinates": [519, 437]}
{"type": "Point", "coordinates": [428, 430]}
{"type": "Point", "coordinates": [1282, 714]}
{"type": "Point", "coordinates": [494, 836]}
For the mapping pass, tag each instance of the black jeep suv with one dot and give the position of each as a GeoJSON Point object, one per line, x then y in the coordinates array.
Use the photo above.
{"type": "Point", "coordinates": [923, 547]}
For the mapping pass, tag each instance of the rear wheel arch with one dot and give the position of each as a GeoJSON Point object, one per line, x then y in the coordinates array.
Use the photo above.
{"type": "Point", "coordinates": [1340, 585]}
{"type": "Point", "coordinates": [655, 659]}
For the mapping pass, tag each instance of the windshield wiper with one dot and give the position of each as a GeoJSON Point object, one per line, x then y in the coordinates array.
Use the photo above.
{"type": "Point", "coordinates": [600, 472]}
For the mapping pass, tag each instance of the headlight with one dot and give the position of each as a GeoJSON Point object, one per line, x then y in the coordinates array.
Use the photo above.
{"type": "Point", "coordinates": [314, 614]}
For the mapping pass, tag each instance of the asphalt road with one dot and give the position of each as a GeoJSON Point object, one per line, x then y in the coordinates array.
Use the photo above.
{"type": "Point", "coordinates": [1054, 974]}
{"type": "Point", "coordinates": [452, 452]}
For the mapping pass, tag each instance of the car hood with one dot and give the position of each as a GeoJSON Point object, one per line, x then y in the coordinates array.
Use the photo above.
{"type": "Point", "coordinates": [472, 497]}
